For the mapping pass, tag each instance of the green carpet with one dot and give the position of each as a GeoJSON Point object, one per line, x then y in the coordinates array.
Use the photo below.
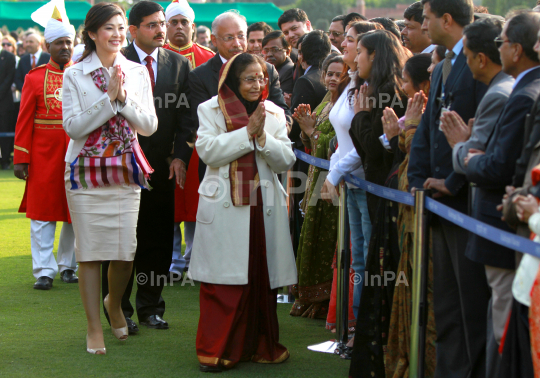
{"type": "Point", "coordinates": [42, 333]}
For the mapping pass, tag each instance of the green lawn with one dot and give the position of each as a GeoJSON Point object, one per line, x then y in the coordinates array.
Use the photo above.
{"type": "Point", "coordinates": [42, 333]}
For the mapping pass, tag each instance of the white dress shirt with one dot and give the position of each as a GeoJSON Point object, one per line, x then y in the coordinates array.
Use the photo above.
{"type": "Point", "coordinates": [143, 55]}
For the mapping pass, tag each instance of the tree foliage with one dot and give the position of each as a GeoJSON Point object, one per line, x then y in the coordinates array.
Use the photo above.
{"type": "Point", "coordinates": [502, 7]}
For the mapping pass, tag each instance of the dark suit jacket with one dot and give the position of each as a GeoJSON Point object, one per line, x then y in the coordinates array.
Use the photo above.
{"type": "Point", "coordinates": [494, 170]}
{"type": "Point", "coordinates": [308, 89]}
{"type": "Point", "coordinates": [175, 125]}
{"type": "Point", "coordinates": [25, 65]}
{"type": "Point", "coordinates": [285, 72]}
{"type": "Point", "coordinates": [431, 155]}
{"type": "Point", "coordinates": [203, 83]}
{"type": "Point", "coordinates": [7, 74]}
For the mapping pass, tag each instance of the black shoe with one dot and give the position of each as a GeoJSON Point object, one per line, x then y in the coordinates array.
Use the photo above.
{"type": "Point", "coordinates": [69, 276]}
{"type": "Point", "coordinates": [43, 283]}
{"type": "Point", "coordinates": [155, 321]}
{"type": "Point", "coordinates": [210, 369]}
{"type": "Point", "coordinates": [132, 326]}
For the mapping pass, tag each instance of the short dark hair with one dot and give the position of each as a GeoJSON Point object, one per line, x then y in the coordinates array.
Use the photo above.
{"type": "Point", "coordinates": [522, 28]}
{"type": "Point", "coordinates": [259, 26]}
{"type": "Point", "coordinates": [362, 27]}
{"type": "Point", "coordinates": [417, 68]}
{"type": "Point", "coordinates": [341, 18]}
{"type": "Point", "coordinates": [480, 36]}
{"type": "Point", "coordinates": [462, 11]}
{"type": "Point", "coordinates": [295, 14]}
{"type": "Point", "coordinates": [315, 48]}
{"type": "Point", "coordinates": [141, 10]}
{"type": "Point", "coordinates": [414, 12]}
{"type": "Point", "coordinates": [388, 24]}
{"type": "Point", "coordinates": [353, 17]}
{"type": "Point", "coordinates": [440, 51]}
{"type": "Point", "coordinates": [277, 34]}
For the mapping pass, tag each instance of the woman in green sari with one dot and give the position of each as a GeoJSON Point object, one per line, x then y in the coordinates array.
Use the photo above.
{"type": "Point", "coordinates": [319, 232]}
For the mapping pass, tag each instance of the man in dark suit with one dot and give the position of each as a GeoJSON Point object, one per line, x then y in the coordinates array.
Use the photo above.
{"type": "Point", "coordinates": [169, 74]}
{"type": "Point", "coordinates": [460, 312]}
{"type": "Point", "coordinates": [276, 51]}
{"type": "Point", "coordinates": [7, 74]}
{"type": "Point", "coordinates": [493, 170]}
{"type": "Point", "coordinates": [229, 31]}
{"type": "Point", "coordinates": [485, 63]}
{"type": "Point", "coordinates": [33, 58]}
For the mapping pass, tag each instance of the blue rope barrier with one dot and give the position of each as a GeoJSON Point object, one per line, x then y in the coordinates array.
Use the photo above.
{"type": "Point", "coordinates": [506, 239]}
{"type": "Point", "coordinates": [7, 135]}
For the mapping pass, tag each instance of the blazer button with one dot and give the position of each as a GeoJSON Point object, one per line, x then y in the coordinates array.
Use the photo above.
{"type": "Point", "coordinates": [437, 169]}
{"type": "Point", "coordinates": [267, 152]}
{"type": "Point", "coordinates": [74, 73]}
{"type": "Point", "coordinates": [242, 146]}
{"type": "Point", "coordinates": [226, 175]}
{"type": "Point", "coordinates": [95, 107]}
{"type": "Point", "coordinates": [269, 212]}
{"type": "Point", "coordinates": [226, 205]}
{"type": "Point", "coordinates": [436, 145]}
{"type": "Point", "coordinates": [89, 112]}
{"type": "Point", "coordinates": [267, 184]}
{"type": "Point", "coordinates": [101, 103]}
{"type": "Point", "coordinates": [84, 93]}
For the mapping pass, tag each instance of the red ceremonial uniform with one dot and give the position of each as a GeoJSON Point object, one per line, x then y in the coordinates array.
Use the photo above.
{"type": "Point", "coordinates": [186, 200]}
{"type": "Point", "coordinates": [41, 142]}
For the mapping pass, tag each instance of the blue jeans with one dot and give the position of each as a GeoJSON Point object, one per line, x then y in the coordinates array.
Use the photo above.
{"type": "Point", "coordinates": [360, 226]}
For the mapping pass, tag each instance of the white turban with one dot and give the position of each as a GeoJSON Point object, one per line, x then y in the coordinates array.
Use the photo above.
{"type": "Point", "coordinates": [52, 16]}
{"type": "Point", "coordinates": [179, 7]}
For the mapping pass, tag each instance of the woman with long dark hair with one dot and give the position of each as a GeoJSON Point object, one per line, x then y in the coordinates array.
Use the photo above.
{"type": "Point", "coordinates": [416, 84]}
{"type": "Point", "coordinates": [380, 59]}
{"type": "Point", "coordinates": [346, 160]}
{"type": "Point", "coordinates": [242, 251]}
{"type": "Point", "coordinates": [107, 101]}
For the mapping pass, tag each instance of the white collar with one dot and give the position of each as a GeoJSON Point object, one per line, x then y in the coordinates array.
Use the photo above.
{"type": "Point", "coordinates": [92, 62]}
{"type": "Point", "coordinates": [222, 58]}
{"type": "Point", "coordinates": [143, 55]}
{"type": "Point", "coordinates": [522, 75]}
{"type": "Point", "coordinates": [37, 54]}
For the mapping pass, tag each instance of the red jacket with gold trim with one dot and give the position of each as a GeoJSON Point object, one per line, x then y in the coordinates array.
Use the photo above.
{"type": "Point", "coordinates": [187, 200]}
{"type": "Point", "coordinates": [41, 142]}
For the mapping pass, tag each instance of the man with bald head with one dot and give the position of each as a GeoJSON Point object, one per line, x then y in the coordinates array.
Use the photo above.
{"type": "Point", "coordinates": [229, 35]}
{"type": "Point", "coordinates": [33, 58]}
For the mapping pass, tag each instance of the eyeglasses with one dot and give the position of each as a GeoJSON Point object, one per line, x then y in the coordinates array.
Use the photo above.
{"type": "Point", "coordinates": [153, 25]}
{"type": "Point", "coordinates": [273, 50]}
{"type": "Point", "coordinates": [252, 80]}
{"type": "Point", "coordinates": [231, 38]}
{"type": "Point", "coordinates": [499, 42]}
{"type": "Point", "coordinates": [6, 44]}
{"type": "Point", "coordinates": [334, 33]}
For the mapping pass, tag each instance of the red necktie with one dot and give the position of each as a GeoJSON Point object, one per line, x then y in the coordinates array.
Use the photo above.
{"type": "Point", "coordinates": [149, 61]}
{"type": "Point", "coordinates": [33, 61]}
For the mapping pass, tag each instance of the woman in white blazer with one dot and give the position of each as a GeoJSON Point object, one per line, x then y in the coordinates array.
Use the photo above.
{"type": "Point", "coordinates": [242, 250]}
{"type": "Point", "coordinates": [107, 100]}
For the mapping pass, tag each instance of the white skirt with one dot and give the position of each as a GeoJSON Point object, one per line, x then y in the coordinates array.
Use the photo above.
{"type": "Point", "coordinates": [104, 221]}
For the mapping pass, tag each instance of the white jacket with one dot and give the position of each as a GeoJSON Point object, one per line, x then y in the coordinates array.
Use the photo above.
{"type": "Point", "coordinates": [221, 246]}
{"type": "Point", "coordinates": [85, 107]}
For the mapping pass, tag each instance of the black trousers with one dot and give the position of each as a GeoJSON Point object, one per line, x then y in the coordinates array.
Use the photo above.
{"type": "Point", "coordinates": [300, 169]}
{"type": "Point", "coordinates": [461, 297]}
{"type": "Point", "coordinates": [8, 120]}
{"type": "Point", "coordinates": [155, 235]}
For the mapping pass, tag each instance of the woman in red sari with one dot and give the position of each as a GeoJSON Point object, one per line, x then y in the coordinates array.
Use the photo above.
{"type": "Point", "coordinates": [242, 250]}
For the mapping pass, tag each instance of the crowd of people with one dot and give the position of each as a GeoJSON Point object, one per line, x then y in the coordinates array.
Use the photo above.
{"type": "Point", "coordinates": [134, 125]}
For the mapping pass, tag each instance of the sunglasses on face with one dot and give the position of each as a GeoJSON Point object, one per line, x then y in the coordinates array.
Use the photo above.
{"type": "Point", "coordinates": [499, 42]}
{"type": "Point", "coordinates": [6, 44]}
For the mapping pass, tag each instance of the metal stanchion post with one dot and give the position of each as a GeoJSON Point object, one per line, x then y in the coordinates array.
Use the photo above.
{"type": "Point", "coordinates": [419, 287]}
{"type": "Point", "coordinates": [342, 283]}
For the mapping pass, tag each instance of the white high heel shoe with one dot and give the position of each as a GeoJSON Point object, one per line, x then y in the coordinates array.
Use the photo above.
{"type": "Point", "coordinates": [96, 350]}
{"type": "Point", "coordinates": [120, 333]}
